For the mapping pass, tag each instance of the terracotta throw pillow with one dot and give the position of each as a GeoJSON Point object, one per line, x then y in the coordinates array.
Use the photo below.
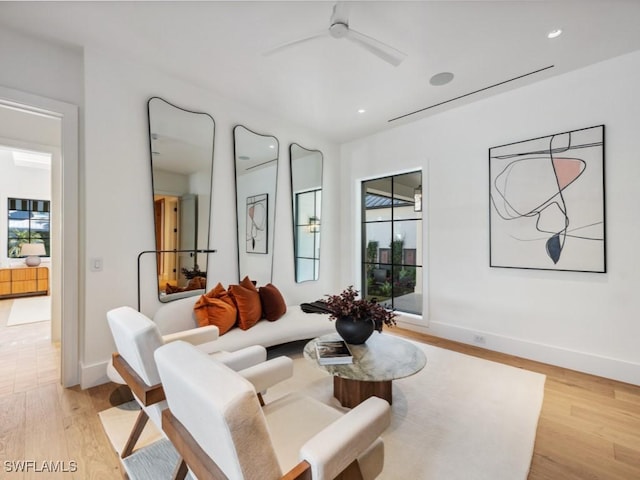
{"type": "Point", "coordinates": [248, 283]}
{"type": "Point", "coordinates": [197, 283]}
{"type": "Point", "coordinates": [215, 311]}
{"type": "Point", "coordinates": [216, 308]}
{"type": "Point", "coordinates": [273, 304]}
{"type": "Point", "coordinates": [216, 291]}
{"type": "Point", "coordinates": [247, 301]}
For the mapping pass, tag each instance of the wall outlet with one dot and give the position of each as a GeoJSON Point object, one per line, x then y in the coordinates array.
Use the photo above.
{"type": "Point", "coordinates": [479, 339]}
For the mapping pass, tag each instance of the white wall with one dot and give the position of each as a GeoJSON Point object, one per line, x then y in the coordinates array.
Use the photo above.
{"type": "Point", "coordinates": [39, 67]}
{"type": "Point", "coordinates": [582, 321]}
{"type": "Point", "coordinates": [118, 209]}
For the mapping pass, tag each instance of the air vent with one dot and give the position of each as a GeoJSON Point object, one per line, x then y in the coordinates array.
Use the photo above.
{"type": "Point", "coordinates": [471, 93]}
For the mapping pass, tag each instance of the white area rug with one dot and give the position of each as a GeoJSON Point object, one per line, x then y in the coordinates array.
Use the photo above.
{"type": "Point", "coordinates": [459, 418]}
{"type": "Point", "coordinates": [30, 310]}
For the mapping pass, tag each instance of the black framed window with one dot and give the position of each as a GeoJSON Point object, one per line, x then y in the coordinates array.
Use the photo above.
{"type": "Point", "coordinates": [392, 241]}
{"type": "Point", "coordinates": [29, 222]}
{"type": "Point", "coordinates": [307, 239]}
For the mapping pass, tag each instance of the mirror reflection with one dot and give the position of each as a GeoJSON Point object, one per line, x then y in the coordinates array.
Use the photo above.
{"type": "Point", "coordinates": [256, 168]}
{"type": "Point", "coordinates": [306, 195]}
{"type": "Point", "coordinates": [181, 143]}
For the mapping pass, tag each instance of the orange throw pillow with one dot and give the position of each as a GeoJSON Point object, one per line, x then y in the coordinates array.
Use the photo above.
{"type": "Point", "coordinates": [215, 311]}
{"type": "Point", "coordinates": [273, 304]}
{"type": "Point", "coordinates": [247, 302]}
{"type": "Point", "coordinates": [216, 308]}
{"type": "Point", "coordinates": [216, 291]}
{"type": "Point", "coordinates": [197, 283]}
{"type": "Point", "coordinates": [248, 283]}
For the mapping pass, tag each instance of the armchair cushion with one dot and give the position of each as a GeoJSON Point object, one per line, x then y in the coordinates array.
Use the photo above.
{"type": "Point", "coordinates": [273, 304]}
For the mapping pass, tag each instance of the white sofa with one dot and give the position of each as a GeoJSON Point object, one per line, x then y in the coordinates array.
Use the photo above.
{"type": "Point", "coordinates": [295, 325]}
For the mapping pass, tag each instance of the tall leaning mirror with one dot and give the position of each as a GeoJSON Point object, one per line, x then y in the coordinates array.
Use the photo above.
{"type": "Point", "coordinates": [306, 196]}
{"type": "Point", "coordinates": [181, 143]}
{"type": "Point", "coordinates": [256, 168]}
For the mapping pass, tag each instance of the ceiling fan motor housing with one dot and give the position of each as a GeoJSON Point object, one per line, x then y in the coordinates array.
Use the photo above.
{"type": "Point", "coordinates": [339, 30]}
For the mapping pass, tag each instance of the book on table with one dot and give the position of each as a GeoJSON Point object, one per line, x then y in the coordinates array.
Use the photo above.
{"type": "Point", "coordinates": [333, 352]}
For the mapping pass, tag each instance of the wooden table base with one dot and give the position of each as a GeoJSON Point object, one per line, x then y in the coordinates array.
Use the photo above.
{"type": "Point", "coordinates": [351, 393]}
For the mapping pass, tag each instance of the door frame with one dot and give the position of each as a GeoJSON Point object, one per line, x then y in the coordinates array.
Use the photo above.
{"type": "Point", "coordinates": [66, 259]}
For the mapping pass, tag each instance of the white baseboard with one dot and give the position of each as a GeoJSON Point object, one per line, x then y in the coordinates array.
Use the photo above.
{"type": "Point", "coordinates": [93, 375]}
{"type": "Point", "coordinates": [612, 368]}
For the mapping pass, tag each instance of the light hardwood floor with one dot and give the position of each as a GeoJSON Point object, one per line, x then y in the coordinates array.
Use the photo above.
{"type": "Point", "coordinates": [589, 427]}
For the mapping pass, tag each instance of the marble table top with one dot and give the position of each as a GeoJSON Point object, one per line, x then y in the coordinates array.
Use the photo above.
{"type": "Point", "coordinates": [381, 358]}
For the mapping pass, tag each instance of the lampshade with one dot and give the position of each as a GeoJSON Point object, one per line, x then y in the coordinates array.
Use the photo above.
{"type": "Point", "coordinates": [32, 251]}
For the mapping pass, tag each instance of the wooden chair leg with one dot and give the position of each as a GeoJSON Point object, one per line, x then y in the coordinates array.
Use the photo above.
{"type": "Point", "coordinates": [352, 472]}
{"type": "Point", "coordinates": [141, 421]}
{"type": "Point", "coordinates": [181, 470]}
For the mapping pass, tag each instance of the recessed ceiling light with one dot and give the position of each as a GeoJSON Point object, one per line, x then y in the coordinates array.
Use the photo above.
{"type": "Point", "coordinates": [361, 110]}
{"type": "Point", "coordinates": [272, 146]}
{"type": "Point", "coordinates": [441, 78]}
{"type": "Point", "coordinates": [554, 33]}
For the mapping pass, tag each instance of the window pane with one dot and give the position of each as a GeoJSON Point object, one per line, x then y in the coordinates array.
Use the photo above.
{"type": "Point", "coordinates": [319, 203]}
{"type": "Point", "coordinates": [305, 269]}
{"type": "Point", "coordinates": [377, 237]}
{"type": "Point", "coordinates": [305, 207]}
{"type": "Point", "coordinates": [377, 199]}
{"type": "Point", "coordinates": [407, 290]}
{"type": "Point", "coordinates": [407, 236]}
{"type": "Point", "coordinates": [305, 243]}
{"type": "Point", "coordinates": [378, 284]}
{"type": "Point", "coordinates": [405, 189]}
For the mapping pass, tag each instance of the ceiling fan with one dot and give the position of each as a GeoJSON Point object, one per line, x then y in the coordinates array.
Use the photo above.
{"type": "Point", "coordinates": [339, 28]}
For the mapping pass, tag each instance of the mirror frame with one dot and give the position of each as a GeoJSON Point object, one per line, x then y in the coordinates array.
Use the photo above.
{"type": "Point", "coordinates": [271, 208]}
{"type": "Point", "coordinates": [295, 223]}
{"type": "Point", "coordinates": [198, 249]}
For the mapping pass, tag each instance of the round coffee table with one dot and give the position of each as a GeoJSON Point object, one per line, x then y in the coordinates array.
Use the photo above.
{"type": "Point", "coordinates": [376, 363]}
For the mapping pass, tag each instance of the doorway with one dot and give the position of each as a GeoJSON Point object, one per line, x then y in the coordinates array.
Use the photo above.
{"type": "Point", "coordinates": [27, 110]}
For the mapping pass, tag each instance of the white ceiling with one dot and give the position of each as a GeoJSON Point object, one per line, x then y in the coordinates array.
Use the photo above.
{"type": "Point", "coordinates": [322, 83]}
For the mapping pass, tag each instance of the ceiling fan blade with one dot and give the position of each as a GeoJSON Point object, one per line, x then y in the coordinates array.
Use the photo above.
{"type": "Point", "coordinates": [381, 50]}
{"type": "Point", "coordinates": [340, 13]}
{"type": "Point", "coordinates": [322, 33]}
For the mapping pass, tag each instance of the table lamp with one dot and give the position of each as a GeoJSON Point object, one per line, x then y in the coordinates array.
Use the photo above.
{"type": "Point", "coordinates": [32, 251]}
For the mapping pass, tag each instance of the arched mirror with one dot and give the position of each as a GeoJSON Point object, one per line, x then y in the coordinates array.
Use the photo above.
{"type": "Point", "coordinates": [306, 195]}
{"type": "Point", "coordinates": [181, 144]}
{"type": "Point", "coordinates": [256, 162]}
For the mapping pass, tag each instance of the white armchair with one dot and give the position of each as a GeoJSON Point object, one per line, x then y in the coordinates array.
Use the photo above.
{"type": "Point", "coordinates": [137, 337]}
{"type": "Point", "coordinates": [222, 433]}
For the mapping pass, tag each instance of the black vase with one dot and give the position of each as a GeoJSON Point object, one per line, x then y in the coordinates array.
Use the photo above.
{"type": "Point", "coordinates": [353, 331]}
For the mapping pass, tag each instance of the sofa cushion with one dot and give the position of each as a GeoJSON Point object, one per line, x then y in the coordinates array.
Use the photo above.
{"type": "Point", "coordinates": [247, 301]}
{"type": "Point", "coordinates": [273, 304]}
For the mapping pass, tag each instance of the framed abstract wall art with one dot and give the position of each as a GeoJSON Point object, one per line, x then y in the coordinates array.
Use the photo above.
{"type": "Point", "coordinates": [547, 202]}
{"type": "Point", "coordinates": [257, 223]}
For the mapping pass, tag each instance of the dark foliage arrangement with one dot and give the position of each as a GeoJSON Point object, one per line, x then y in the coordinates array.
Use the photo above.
{"type": "Point", "coordinates": [189, 274]}
{"type": "Point", "coordinates": [347, 305]}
